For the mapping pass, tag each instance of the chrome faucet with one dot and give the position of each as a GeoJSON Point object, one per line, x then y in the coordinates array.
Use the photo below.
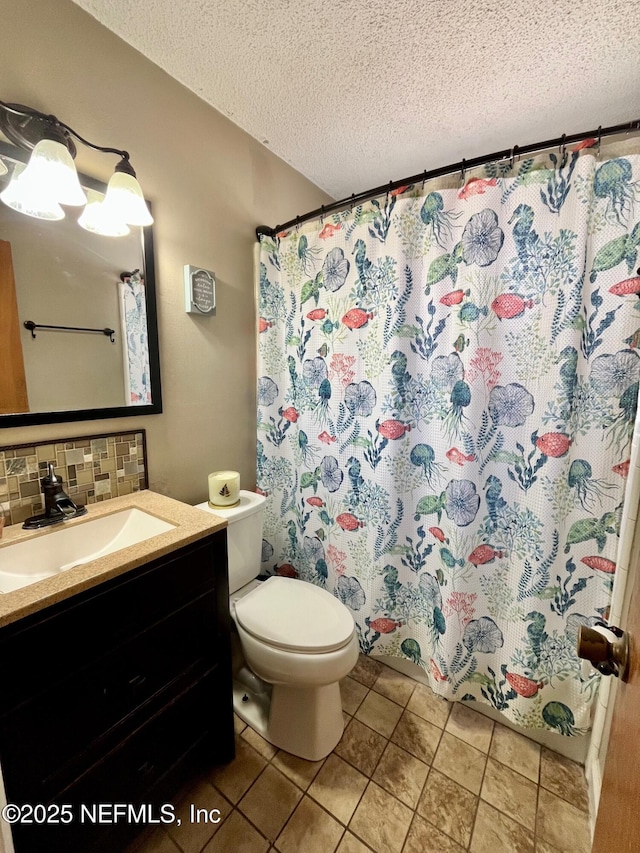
{"type": "Point", "coordinates": [57, 504]}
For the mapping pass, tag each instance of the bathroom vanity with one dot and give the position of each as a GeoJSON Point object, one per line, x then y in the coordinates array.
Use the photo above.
{"type": "Point", "coordinates": [116, 682]}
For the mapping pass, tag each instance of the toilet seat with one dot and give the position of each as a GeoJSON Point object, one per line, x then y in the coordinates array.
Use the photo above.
{"type": "Point", "coordinates": [294, 615]}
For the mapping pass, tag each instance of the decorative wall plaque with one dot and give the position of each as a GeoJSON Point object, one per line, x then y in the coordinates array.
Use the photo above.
{"type": "Point", "coordinates": [199, 290]}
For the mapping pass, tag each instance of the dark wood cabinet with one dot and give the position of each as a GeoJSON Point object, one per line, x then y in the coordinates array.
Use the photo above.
{"type": "Point", "coordinates": [117, 695]}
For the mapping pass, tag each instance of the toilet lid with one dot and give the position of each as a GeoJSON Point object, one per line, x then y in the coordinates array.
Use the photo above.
{"type": "Point", "coordinates": [295, 615]}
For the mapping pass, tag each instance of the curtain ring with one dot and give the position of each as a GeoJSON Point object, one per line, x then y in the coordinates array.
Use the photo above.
{"type": "Point", "coordinates": [599, 142]}
{"type": "Point", "coordinates": [424, 178]}
{"type": "Point", "coordinates": [388, 193]}
{"type": "Point", "coordinates": [463, 172]}
{"type": "Point", "coordinates": [322, 214]}
{"type": "Point", "coordinates": [297, 224]}
{"type": "Point", "coordinates": [353, 198]}
{"type": "Point", "coordinates": [563, 151]}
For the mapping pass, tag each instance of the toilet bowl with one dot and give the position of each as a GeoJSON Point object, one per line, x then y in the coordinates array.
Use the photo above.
{"type": "Point", "coordinates": [296, 642]}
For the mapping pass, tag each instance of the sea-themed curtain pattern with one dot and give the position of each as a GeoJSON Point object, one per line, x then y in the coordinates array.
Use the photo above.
{"type": "Point", "coordinates": [447, 391]}
{"type": "Point", "coordinates": [133, 315]}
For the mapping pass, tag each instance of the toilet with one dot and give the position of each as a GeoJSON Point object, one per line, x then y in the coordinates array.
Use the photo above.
{"type": "Point", "coordinates": [295, 641]}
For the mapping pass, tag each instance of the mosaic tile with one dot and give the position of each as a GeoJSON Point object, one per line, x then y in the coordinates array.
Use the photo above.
{"type": "Point", "coordinates": [76, 461]}
{"type": "Point", "coordinates": [73, 457]}
{"type": "Point", "coordinates": [29, 489]}
{"type": "Point", "coordinates": [16, 466]}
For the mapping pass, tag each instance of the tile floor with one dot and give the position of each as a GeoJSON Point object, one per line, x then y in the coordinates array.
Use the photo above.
{"type": "Point", "coordinates": [412, 774]}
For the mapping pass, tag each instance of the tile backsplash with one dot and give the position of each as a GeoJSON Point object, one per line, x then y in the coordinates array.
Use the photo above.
{"type": "Point", "coordinates": [93, 468]}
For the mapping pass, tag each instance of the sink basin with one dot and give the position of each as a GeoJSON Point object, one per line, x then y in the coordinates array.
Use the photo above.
{"type": "Point", "coordinates": [26, 562]}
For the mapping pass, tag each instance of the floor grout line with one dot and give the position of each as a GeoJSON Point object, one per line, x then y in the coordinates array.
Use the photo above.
{"type": "Point", "coordinates": [385, 741]}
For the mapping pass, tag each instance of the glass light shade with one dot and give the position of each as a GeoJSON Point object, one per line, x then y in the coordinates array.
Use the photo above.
{"type": "Point", "coordinates": [124, 200]}
{"type": "Point", "coordinates": [3, 168]}
{"type": "Point", "coordinates": [97, 219]}
{"type": "Point", "coordinates": [23, 196]}
{"type": "Point", "coordinates": [51, 172]}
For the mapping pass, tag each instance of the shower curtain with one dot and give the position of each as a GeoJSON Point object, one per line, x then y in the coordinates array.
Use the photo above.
{"type": "Point", "coordinates": [447, 389]}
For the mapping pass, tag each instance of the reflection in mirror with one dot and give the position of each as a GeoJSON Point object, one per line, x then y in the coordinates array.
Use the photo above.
{"type": "Point", "coordinates": [56, 273]}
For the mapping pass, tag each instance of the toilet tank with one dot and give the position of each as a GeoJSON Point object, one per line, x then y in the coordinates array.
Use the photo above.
{"type": "Point", "coordinates": [244, 537]}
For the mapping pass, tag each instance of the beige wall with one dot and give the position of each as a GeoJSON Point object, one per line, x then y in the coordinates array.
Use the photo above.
{"type": "Point", "coordinates": [210, 185]}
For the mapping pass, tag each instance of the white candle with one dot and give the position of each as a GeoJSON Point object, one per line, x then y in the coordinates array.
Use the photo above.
{"type": "Point", "coordinates": [224, 488]}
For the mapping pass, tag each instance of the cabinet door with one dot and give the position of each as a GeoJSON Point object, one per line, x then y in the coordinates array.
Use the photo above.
{"type": "Point", "coordinates": [45, 649]}
{"type": "Point", "coordinates": [107, 695]}
{"type": "Point", "coordinates": [135, 772]}
{"type": "Point", "coordinates": [129, 681]}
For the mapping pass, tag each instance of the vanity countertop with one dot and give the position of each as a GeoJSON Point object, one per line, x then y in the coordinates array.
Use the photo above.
{"type": "Point", "coordinates": [191, 524]}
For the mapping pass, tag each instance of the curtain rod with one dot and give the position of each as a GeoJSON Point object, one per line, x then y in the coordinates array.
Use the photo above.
{"type": "Point", "coordinates": [462, 166]}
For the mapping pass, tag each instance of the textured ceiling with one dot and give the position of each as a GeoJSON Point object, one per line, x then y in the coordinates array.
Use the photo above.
{"type": "Point", "coordinates": [359, 92]}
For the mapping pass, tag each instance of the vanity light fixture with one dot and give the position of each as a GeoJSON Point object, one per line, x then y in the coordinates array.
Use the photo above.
{"type": "Point", "coordinates": [99, 219]}
{"type": "Point", "coordinates": [50, 178]}
{"type": "Point", "coordinates": [19, 196]}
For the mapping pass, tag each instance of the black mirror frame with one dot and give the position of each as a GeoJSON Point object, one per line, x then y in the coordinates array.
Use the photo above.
{"type": "Point", "coordinates": [155, 408]}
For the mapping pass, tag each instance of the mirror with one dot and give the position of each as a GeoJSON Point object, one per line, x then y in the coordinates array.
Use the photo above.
{"type": "Point", "coordinates": [101, 359]}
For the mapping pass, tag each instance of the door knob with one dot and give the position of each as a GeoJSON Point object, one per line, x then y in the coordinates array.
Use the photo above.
{"type": "Point", "coordinates": [609, 657]}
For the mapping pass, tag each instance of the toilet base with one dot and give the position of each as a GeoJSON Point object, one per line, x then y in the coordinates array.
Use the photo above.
{"type": "Point", "coordinates": [305, 721]}
{"type": "Point", "coordinates": [253, 708]}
